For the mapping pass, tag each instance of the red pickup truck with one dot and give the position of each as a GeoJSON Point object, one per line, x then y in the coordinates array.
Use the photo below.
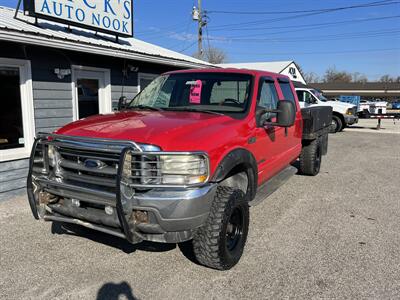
{"type": "Point", "coordinates": [182, 161]}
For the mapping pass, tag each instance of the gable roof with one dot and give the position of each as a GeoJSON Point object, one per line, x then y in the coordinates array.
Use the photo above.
{"type": "Point", "coordinates": [51, 34]}
{"type": "Point", "coordinates": [272, 66]}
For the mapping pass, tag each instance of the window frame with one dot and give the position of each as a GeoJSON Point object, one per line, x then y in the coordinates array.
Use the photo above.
{"type": "Point", "coordinates": [262, 80]}
{"type": "Point", "coordinates": [283, 80]}
{"type": "Point", "coordinates": [27, 109]}
{"type": "Point", "coordinates": [260, 85]}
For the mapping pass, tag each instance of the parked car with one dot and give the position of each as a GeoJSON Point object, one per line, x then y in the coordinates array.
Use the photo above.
{"type": "Point", "coordinates": [182, 161]}
{"type": "Point", "coordinates": [343, 114]}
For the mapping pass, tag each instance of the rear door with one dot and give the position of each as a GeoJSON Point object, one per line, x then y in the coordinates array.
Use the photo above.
{"type": "Point", "coordinates": [291, 147]}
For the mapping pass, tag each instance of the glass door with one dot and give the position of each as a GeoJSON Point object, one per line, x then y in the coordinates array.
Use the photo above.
{"type": "Point", "coordinates": [92, 92]}
{"type": "Point", "coordinates": [88, 97]}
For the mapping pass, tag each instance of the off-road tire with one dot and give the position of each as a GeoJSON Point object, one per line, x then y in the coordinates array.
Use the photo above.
{"type": "Point", "coordinates": [337, 124]}
{"type": "Point", "coordinates": [310, 158]}
{"type": "Point", "coordinates": [210, 242]}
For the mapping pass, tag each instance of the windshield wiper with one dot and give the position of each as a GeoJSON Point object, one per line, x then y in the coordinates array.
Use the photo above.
{"type": "Point", "coordinates": [146, 107]}
{"type": "Point", "coordinates": [190, 109]}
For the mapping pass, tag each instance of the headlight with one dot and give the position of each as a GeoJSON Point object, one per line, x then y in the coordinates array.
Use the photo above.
{"type": "Point", "coordinates": [183, 169]}
{"type": "Point", "coordinates": [349, 111]}
{"type": "Point", "coordinates": [144, 169]}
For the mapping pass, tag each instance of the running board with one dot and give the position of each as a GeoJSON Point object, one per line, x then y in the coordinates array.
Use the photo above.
{"type": "Point", "coordinates": [272, 185]}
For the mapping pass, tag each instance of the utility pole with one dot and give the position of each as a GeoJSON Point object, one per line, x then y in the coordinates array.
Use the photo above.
{"type": "Point", "coordinates": [198, 16]}
{"type": "Point", "coordinates": [200, 32]}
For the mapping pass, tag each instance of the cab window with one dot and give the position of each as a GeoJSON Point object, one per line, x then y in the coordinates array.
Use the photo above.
{"type": "Point", "coordinates": [305, 96]}
{"type": "Point", "coordinates": [286, 90]}
{"type": "Point", "coordinates": [300, 95]}
{"type": "Point", "coordinates": [308, 98]}
{"type": "Point", "coordinates": [268, 98]}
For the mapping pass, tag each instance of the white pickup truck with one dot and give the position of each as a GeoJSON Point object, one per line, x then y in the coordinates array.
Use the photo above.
{"type": "Point", "coordinates": [343, 114]}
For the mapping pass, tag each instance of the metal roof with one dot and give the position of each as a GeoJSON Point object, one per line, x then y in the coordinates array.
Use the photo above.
{"type": "Point", "coordinates": [51, 34]}
{"type": "Point", "coordinates": [373, 89]}
{"type": "Point", "coordinates": [351, 86]}
{"type": "Point", "coordinates": [272, 66]}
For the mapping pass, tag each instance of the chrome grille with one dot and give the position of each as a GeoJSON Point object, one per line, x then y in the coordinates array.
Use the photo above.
{"type": "Point", "coordinates": [74, 170]}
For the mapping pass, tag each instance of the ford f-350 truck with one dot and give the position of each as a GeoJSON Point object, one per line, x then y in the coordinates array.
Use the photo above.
{"type": "Point", "coordinates": [182, 161]}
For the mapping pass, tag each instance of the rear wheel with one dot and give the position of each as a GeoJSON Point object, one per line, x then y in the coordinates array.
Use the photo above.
{"type": "Point", "coordinates": [310, 158]}
{"type": "Point", "coordinates": [219, 244]}
{"type": "Point", "coordinates": [336, 125]}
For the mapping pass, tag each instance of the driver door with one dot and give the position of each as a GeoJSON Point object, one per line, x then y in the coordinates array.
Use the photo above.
{"type": "Point", "coordinates": [269, 138]}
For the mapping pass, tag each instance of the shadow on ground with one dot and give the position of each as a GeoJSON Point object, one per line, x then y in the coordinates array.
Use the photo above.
{"type": "Point", "coordinates": [75, 230]}
{"type": "Point", "coordinates": [109, 240]}
{"type": "Point", "coordinates": [114, 291]}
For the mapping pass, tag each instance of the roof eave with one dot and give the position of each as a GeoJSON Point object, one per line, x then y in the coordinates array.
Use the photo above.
{"type": "Point", "coordinates": [39, 40]}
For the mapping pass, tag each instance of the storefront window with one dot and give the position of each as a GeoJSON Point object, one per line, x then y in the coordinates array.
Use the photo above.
{"type": "Point", "coordinates": [11, 125]}
{"type": "Point", "coordinates": [17, 126]}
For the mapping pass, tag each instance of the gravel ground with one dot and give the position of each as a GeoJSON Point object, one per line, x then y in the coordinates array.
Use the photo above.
{"type": "Point", "coordinates": [336, 235]}
{"type": "Point", "coordinates": [370, 125]}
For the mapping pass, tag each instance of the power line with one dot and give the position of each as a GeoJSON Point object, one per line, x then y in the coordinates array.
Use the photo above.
{"type": "Point", "coordinates": [188, 47]}
{"type": "Point", "coordinates": [265, 21]}
{"type": "Point", "coordinates": [342, 36]}
{"type": "Point", "coordinates": [372, 4]}
{"type": "Point", "coordinates": [317, 52]}
{"type": "Point", "coordinates": [314, 24]}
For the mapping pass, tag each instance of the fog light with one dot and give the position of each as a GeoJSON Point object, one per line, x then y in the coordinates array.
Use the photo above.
{"type": "Point", "coordinates": [109, 210]}
{"type": "Point", "coordinates": [76, 202]}
{"type": "Point", "coordinates": [127, 191]}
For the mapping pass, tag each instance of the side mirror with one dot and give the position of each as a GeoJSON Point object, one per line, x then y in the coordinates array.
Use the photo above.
{"type": "Point", "coordinates": [286, 113]}
{"type": "Point", "coordinates": [122, 103]}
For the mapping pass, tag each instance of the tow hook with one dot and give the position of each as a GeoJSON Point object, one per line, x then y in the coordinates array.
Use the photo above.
{"type": "Point", "coordinates": [47, 198]}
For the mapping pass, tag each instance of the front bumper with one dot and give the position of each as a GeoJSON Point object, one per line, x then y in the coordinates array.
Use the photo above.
{"type": "Point", "coordinates": [168, 214]}
{"type": "Point", "coordinates": [350, 120]}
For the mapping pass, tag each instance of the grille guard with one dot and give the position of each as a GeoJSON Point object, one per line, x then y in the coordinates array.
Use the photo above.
{"type": "Point", "coordinates": [122, 147]}
{"type": "Point", "coordinates": [128, 232]}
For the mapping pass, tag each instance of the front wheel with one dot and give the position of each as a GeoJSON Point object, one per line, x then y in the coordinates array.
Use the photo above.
{"type": "Point", "coordinates": [336, 125]}
{"type": "Point", "coordinates": [220, 242]}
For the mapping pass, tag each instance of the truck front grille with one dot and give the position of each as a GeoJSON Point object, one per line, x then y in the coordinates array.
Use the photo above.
{"type": "Point", "coordinates": [81, 168]}
{"type": "Point", "coordinates": [94, 168]}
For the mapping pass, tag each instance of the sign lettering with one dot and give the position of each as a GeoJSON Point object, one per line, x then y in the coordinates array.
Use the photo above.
{"type": "Point", "coordinates": [112, 16]}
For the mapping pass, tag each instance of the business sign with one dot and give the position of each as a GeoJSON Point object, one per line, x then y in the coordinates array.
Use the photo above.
{"type": "Point", "coordinates": [110, 16]}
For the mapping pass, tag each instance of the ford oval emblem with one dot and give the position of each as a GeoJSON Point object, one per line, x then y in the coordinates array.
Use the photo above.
{"type": "Point", "coordinates": [94, 164]}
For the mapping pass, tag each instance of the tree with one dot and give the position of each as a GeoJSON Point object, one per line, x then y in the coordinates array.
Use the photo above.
{"type": "Point", "coordinates": [311, 77]}
{"type": "Point", "coordinates": [213, 55]}
{"type": "Point", "coordinates": [386, 78]}
{"type": "Point", "coordinates": [332, 75]}
{"type": "Point", "coordinates": [358, 77]}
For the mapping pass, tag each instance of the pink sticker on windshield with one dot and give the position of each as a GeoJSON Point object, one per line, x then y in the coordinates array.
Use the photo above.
{"type": "Point", "coordinates": [195, 92]}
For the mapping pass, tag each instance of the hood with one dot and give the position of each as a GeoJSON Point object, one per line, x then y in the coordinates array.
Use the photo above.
{"type": "Point", "coordinates": [166, 129]}
{"type": "Point", "coordinates": [343, 105]}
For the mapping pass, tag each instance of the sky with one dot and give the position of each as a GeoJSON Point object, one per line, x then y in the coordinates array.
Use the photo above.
{"type": "Point", "coordinates": [314, 33]}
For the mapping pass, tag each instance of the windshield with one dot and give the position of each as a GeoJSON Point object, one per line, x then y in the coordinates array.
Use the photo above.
{"type": "Point", "coordinates": [319, 95]}
{"type": "Point", "coordinates": [212, 92]}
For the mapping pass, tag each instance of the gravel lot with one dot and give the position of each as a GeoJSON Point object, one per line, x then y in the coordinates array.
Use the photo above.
{"type": "Point", "coordinates": [336, 235]}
